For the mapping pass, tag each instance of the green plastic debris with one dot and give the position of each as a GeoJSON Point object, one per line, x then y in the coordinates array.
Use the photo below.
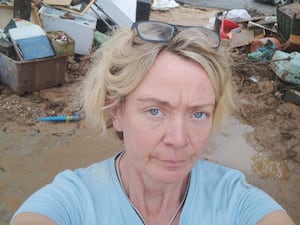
{"type": "Point", "coordinates": [264, 53]}
{"type": "Point", "coordinates": [100, 38]}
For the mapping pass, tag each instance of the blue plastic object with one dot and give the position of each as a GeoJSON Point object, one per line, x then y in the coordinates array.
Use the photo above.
{"type": "Point", "coordinates": [264, 53]}
{"type": "Point", "coordinates": [35, 48]}
{"type": "Point", "coordinates": [59, 118]}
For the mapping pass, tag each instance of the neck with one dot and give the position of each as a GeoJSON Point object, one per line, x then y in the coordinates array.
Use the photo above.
{"type": "Point", "coordinates": [157, 203]}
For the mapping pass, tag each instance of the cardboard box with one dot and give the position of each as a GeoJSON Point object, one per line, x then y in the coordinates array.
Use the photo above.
{"type": "Point", "coordinates": [28, 76]}
{"type": "Point", "coordinates": [57, 2]}
{"type": "Point", "coordinates": [79, 9]}
{"type": "Point", "coordinates": [81, 28]}
{"type": "Point", "coordinates": [62, 43]}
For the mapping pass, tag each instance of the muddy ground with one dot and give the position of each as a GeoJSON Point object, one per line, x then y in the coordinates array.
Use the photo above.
{"type": "Point", "coordinates": [32, 152]}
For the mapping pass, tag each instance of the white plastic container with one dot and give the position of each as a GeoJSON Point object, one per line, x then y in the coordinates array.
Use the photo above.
{"type": "Point", "coordinates": [121, 12]}
{"type": "Point", "coordinates": [81, 28]}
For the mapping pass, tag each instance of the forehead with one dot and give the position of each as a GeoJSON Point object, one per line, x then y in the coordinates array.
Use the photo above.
{"type": "Point", "coordinates": [176, 78]}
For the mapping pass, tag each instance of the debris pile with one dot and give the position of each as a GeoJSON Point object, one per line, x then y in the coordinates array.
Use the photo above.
{"type": "Point", "coordinates": [272, 40]}
{"type": "Point", "coordinates": [56, 29]}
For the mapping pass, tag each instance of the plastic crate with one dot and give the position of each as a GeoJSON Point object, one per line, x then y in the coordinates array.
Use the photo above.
{"type": "Point", "coordinates": [28, 76]}
{"type": "Point", "coordinates": [288, 19]}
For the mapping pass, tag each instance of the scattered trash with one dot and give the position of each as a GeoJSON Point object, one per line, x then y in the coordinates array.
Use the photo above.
{"type": "Point", "coordinates": [86, 24]}
{"type": "Point", "coordinates": [270, 19]}
{"type": "Point", "coordinates": [255, 44]}
{"type": "Point", "coordinates": [263, 53]}
{"type": "Point", "coordinates": [62, 43]}
{"type": "Point", "coordinates": [163, 4]}
{"type": "Point", "coordinates": [288, 20]}
{"type": "Point", "coordinates": [253, 24]}
{"type": "Point", "coordinates": [292, 96]}
{"type": "Point", "coordinates": [227, 26]}
{"type": "Point", "coordinates": [100, 38]}
{"type": "Point", "coordinates": [30, 40]}
{"type": "Point", "coordinates": [253, 79]}
{"type": "Point", "coordinates": [58, 2]}
{"type": "Point", "coordinates": [238, 15]}
{"type": "Point", "coordinates": [288, 71]}
{"type": "Point", "coordinates": [62, 23]}
{"type": "Point", "coordinates": [289, 93]}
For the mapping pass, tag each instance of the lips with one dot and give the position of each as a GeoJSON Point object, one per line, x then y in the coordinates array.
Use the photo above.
{"type": "Point", "coordinates": [173, 163]}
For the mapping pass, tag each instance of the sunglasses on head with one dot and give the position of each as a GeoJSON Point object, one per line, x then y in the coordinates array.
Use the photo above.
{"type": "Point", "coordinates": [161, 32]}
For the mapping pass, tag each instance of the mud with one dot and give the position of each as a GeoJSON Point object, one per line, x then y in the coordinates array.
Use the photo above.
{"type": "Point", "coordinates": [261, 139]}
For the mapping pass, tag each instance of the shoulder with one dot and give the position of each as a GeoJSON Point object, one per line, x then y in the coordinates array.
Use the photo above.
{"type": "Point", "coordinates": [215, 172]}
{"type": "Point", "coordinates": [71, 196]}
{"type": "Point", "coordinates": [93, 171]}
{"type": "Point", "coordinates": [89, 179]}
{"type": "Point", "coordinates": [219, 179]}
{"type": "Point", "coordinates": [211, 179]}
{"type": "Point", "coordinates": [97, 170]}
{"type": "Point", "coordinates": [225, 191]}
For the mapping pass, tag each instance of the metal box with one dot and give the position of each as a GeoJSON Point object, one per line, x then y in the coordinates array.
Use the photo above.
{"type": "Point", "coordinates": [288, 19]}
{"type": "Point", "coordinates": [28, 76]}
{"type": "Point", "coordinates": [80, 28]}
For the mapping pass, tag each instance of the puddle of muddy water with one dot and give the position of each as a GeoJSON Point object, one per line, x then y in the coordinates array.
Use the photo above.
{"type": "Point", "coordinates": [230, 148]}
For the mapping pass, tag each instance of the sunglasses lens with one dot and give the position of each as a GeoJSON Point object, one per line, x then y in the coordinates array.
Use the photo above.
{"type": "Point", "coordinates": [155, 31]}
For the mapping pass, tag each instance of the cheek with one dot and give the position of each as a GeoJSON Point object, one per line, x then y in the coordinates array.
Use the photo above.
{"type": "Point", "coordinates": [199, 137]}
{"type": "Point", "coordinates": [136, 131]}
{"type": "Point", "coordinates": [138, 143]}
{"type": "Point", "coordinates": [200, 142]}
{"type": "Point", "coordinates": [138, 135]}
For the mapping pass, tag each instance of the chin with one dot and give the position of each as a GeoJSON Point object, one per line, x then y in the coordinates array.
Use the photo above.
{"type": "Point", "coordinates": [171, 176]}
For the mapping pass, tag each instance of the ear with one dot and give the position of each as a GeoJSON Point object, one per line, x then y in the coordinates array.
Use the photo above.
{"type": "Point", "coordinates": [116, 117]}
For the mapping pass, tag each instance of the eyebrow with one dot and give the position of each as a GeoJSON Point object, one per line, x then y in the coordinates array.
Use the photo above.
{"type": "Point", "coordinates": [167, 104]}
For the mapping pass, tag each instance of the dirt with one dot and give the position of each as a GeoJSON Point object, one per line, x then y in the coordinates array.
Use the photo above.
{"type": "Point", "coordinates": [32, 152]}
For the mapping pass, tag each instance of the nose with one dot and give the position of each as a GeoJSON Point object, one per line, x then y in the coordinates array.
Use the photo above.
{"type": "Point", "coordinates": [176, 133]}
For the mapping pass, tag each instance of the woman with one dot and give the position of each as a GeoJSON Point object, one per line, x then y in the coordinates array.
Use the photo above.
{"type": "Point", "coordinates": [165, 88]}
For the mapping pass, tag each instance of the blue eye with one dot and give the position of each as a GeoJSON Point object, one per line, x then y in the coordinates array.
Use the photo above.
{"type": "Point", "coordinates": [199, 115]}
{"type": "Point", "coordinates": [153, 112]}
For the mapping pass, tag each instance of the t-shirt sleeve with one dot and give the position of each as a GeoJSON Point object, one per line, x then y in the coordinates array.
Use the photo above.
{"type": "Point", "coordinates": [246, 202]}
{"type": "Point", "coordinates": [221, 195]}
{"type": "Point", "coordinates": [65, 201]}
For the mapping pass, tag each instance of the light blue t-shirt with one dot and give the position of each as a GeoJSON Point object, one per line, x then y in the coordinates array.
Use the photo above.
{"type": "Point", "coordinates": [93, 196]}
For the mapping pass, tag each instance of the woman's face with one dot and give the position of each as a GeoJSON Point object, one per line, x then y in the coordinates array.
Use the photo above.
{"type": "Point", "coordinates": [167, 119]}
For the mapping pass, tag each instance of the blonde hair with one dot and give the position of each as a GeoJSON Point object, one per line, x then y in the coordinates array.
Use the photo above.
{"type": "Point", "coordinates": [124, 60]}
